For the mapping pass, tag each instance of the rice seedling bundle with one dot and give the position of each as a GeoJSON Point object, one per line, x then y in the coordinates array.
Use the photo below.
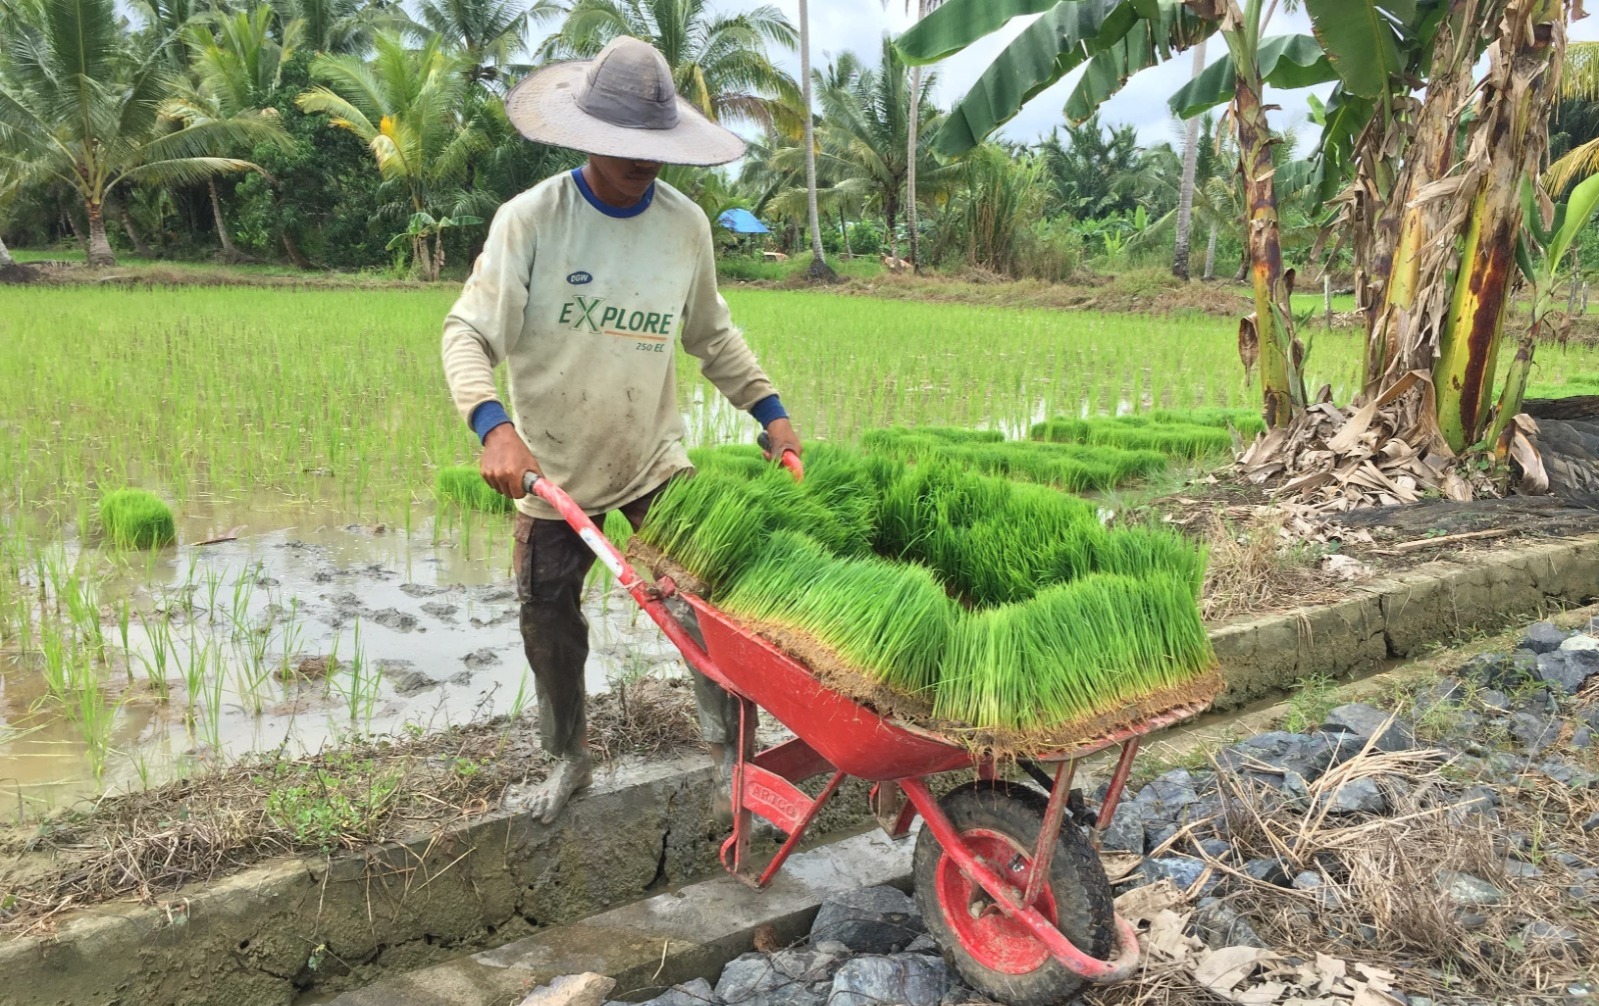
{"type": "Point", "coordinates": [1074, 467]}
{"type": "Point", "coordinates": [1248, 422]}
{"type": "Point", "coordinates": [463, 486]}
{"type": "Point", "coordinates": [941, 592]}
{"type": "Point", "coordinates": [1182, 440]}
{"type": "Point", "coordinates": [134, 518]}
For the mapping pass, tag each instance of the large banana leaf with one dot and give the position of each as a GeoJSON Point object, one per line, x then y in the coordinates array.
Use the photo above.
{"type": "Point", "coordinates": [956, 24]}
{"type": "Point", "coordinates": [1168, 26]}
{"type": "Point", "coordinates": [1066, 35]}
{"type": "Point", "coordinates": [1285, 61]}
{"type": "Point", "coordinates": [1362, 40]}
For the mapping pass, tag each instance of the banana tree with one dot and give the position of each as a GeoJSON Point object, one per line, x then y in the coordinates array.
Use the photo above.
{"type": "Point", "coordinates": [1113, 40]}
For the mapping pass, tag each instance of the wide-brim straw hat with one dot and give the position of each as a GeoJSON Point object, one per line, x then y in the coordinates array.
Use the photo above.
{"type": "Point", "coordinates": [621, 103]}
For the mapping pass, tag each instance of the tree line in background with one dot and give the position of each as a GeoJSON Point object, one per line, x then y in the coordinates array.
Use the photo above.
{"type": "Point", "coordinates": [350, 134]}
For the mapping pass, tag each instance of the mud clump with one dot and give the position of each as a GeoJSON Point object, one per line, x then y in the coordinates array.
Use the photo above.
{"type": "Point", "coordinates": [486, 657]}
{"type": "Point", "coordinates": [16, 273]}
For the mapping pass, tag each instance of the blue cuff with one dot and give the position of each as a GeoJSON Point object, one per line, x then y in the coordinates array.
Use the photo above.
{"type": "Point", "coordinates": [767, 411]}
{"type": "Point", "coordinates": [487, 416]}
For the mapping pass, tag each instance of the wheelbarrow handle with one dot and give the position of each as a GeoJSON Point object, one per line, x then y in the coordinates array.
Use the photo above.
{"type": "Point", "coordinates": [790, 460]}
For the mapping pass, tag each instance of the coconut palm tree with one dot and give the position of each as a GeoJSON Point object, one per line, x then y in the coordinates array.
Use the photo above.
{"type": "Point", "coordinates": [236, 65]}
{"type": "Point", "coordinates": [93, 107]}
{"type": "Point", "coordinates": [1185, 196]}
{"type": "Point", "coordinates": [488, 33]}
{"type": "Point", "coordinates": [864, 128]}
{"type": "Point", "coordinates": [407, 105]}
{"type": "Point", "coordinates": [912, 141]}
{"type": "Point", "coordinates": [813, 217]}
{"type": "Point", "coordinates": [336, 26]}
{"type": "Point", "coordinates": [719, 62]}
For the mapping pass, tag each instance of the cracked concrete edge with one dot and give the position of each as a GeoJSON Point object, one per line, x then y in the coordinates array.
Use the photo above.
{"type": "Point", "coordinates": [1439, 602]}
{"type": "Point", "coordinates": [653, 944]}
{"type": "Point", "coordinates": [267, 934]}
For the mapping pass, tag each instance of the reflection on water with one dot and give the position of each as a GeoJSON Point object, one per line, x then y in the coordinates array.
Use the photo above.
{"type": "Point", "coordinates": [421, 637]}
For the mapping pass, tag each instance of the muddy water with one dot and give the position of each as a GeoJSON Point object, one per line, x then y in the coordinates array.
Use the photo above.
{"type": "Point", "coordinates": [433, 623]}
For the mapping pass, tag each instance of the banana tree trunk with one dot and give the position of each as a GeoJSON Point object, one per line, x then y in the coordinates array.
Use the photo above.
{"type": "Point", "coordinates": [1272, 324]}
{"type": "Point", "coordinates": [230, 254]}
{"type": "Point", "coordinates": [1185, 195]}
{"type": "Point", "coordinates": [1506, 141]}
{"type": "Point", "coordinates": [1210, 255]}
{"type": "Point", "coordinates": [100, 254]}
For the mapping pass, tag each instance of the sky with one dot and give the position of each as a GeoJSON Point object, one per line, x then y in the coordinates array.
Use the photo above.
{"type": "Point", "coordinates": [840, 25]}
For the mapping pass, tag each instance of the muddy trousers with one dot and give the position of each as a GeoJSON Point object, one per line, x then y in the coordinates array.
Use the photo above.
{"type": "Point", "coordinates": [551, 563]}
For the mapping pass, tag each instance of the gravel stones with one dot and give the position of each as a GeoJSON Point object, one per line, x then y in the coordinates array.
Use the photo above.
{"type": "Point", "coordinates": [871, 920]}
{"type": "Point", "coordinates": [695, 993]}
{"type": "Point", "coordinates": [1182, 871]}
{"type": "Point", "coordinates": [1219, 925]}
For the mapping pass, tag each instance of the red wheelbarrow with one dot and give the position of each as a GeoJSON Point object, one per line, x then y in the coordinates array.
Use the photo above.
{"type": "Point", "coordinates": [1018, 902]}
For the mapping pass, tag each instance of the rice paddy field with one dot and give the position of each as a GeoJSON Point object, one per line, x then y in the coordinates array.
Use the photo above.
{"type": "Point", "coordinates": [327, 580]}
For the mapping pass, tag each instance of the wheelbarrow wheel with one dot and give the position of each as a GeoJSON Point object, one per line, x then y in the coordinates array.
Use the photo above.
{"type": "Point", "coordinates": [996, 955]}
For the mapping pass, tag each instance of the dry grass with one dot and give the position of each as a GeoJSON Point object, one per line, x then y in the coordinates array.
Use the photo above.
{"type": "Point", "coordinates": [145, 844]}
{"type": "Point", "coordinates": [1254, 566]}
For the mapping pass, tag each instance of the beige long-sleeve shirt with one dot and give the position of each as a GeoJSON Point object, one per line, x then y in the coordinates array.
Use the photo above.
{"type": "Point", "coordinates": [585, 305]}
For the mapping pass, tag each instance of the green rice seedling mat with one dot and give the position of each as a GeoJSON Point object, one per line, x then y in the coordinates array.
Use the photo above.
{"type": "Point", "coordinates": [994, 610]}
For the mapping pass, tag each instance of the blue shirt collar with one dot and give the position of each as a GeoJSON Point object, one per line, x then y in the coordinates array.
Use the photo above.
{"type": "Point", "coordinates": [606, 208]}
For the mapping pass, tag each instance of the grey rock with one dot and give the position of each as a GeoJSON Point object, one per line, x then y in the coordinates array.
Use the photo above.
{"type": "Point", "coordinates": [1582, 738]}
{"type": "Point", "coordinates": [1217, 848]}
{"type": "Point", "coordinates": [440, 610]}
{"type": "Point", "coordinates": [1566, 859]}
{"type": "Point", "coordinates": [1295, 790]}
{"type": "Point", "coordinates": [833, 947]}
{"type": "Point", "coordinates": [907, 979]}
{"type": "Point", "coordinates": [1566, 671]}
{"type": "Point", "coordinates": [1358, 796]}
{"type": "Point", "coordinates": [1550, 938]}
{"type": "Point", "coordinates": [923, 944]}
{"type": "Point", "coordinates": [1591, 824]}
{"type": "Point", "coordinates": [1159, 835]}
{"type": "Point", "coordinates": [871, 920]}
{"type": "Point", "coordinates": [486, 657]}
{"type": "Point", "coordinates": [1569, 775]}
{"type": "Point", "coordinates": [810, 964]}
{"type": "Point", "coordinates": [1544, 637]}
{"type": "Point", "coordinates": [1500, 670]}
{"type": "Point", "coordinates": [1279, 752]}
{"type": "Point", "coordinates": [1309, 880]}
{"type": "Point", "coordinates": [1531, 731]}
{"type": "Point", "coordinates": [1580, 643]}
{"type": "Point", "coordinates": [1517, 870]}
{"type": "Point", "coordinates": [746, 975]}
{"type": "Point", "coordinates": [695, 993]}
{"type": "Point", "coordinates": [1183, 871]}
{"type": "Point", "coordinates": [1465, 889]}
{"type": "Point", "coordinates": [1447, 692]}
{"type": "Point", "coordinates": [1364, 722]}
{"type": "Point", "coordinates": [1167, 795]}
{"type": "Point", "coordinates": [1470, 921]}
{"type": "Point", "coordinates": [1268, 871]}
{"type": "Point", "coordinates": [1218, 925]}
{"type": "Point", "coordinates": [1126, 830]}
{"type": "Point", "coordinates": [1494, 700]}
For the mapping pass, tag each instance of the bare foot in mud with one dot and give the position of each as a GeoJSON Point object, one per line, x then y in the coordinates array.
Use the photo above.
{"type": "Point", "coordinates": [569, 775]}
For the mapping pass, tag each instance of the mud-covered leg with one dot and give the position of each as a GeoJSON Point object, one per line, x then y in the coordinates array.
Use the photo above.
{"type": "Point", "coordinates": [551, 563]}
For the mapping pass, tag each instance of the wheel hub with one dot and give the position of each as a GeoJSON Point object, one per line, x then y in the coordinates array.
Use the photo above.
{"type": "Point", "coordinates": [994, 939]}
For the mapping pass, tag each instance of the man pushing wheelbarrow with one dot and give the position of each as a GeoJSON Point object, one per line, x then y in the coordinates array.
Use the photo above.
{"type": "Point", "coordinates": [586, 285]}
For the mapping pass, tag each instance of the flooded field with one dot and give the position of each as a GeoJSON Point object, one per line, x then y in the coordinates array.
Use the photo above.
{"type": "Point", "coordinates": [318, 589]}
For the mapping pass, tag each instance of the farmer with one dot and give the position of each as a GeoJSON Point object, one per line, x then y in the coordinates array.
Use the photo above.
{"type": "Point", "coordinates": [586, 284]}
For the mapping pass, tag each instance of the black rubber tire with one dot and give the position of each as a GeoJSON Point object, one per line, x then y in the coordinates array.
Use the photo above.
{"type": "Point", "coordinates": [1084, 907]}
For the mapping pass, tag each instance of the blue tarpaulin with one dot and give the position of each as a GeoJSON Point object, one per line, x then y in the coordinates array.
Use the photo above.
{"type": "Point", "coordinates": [742, 222]}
